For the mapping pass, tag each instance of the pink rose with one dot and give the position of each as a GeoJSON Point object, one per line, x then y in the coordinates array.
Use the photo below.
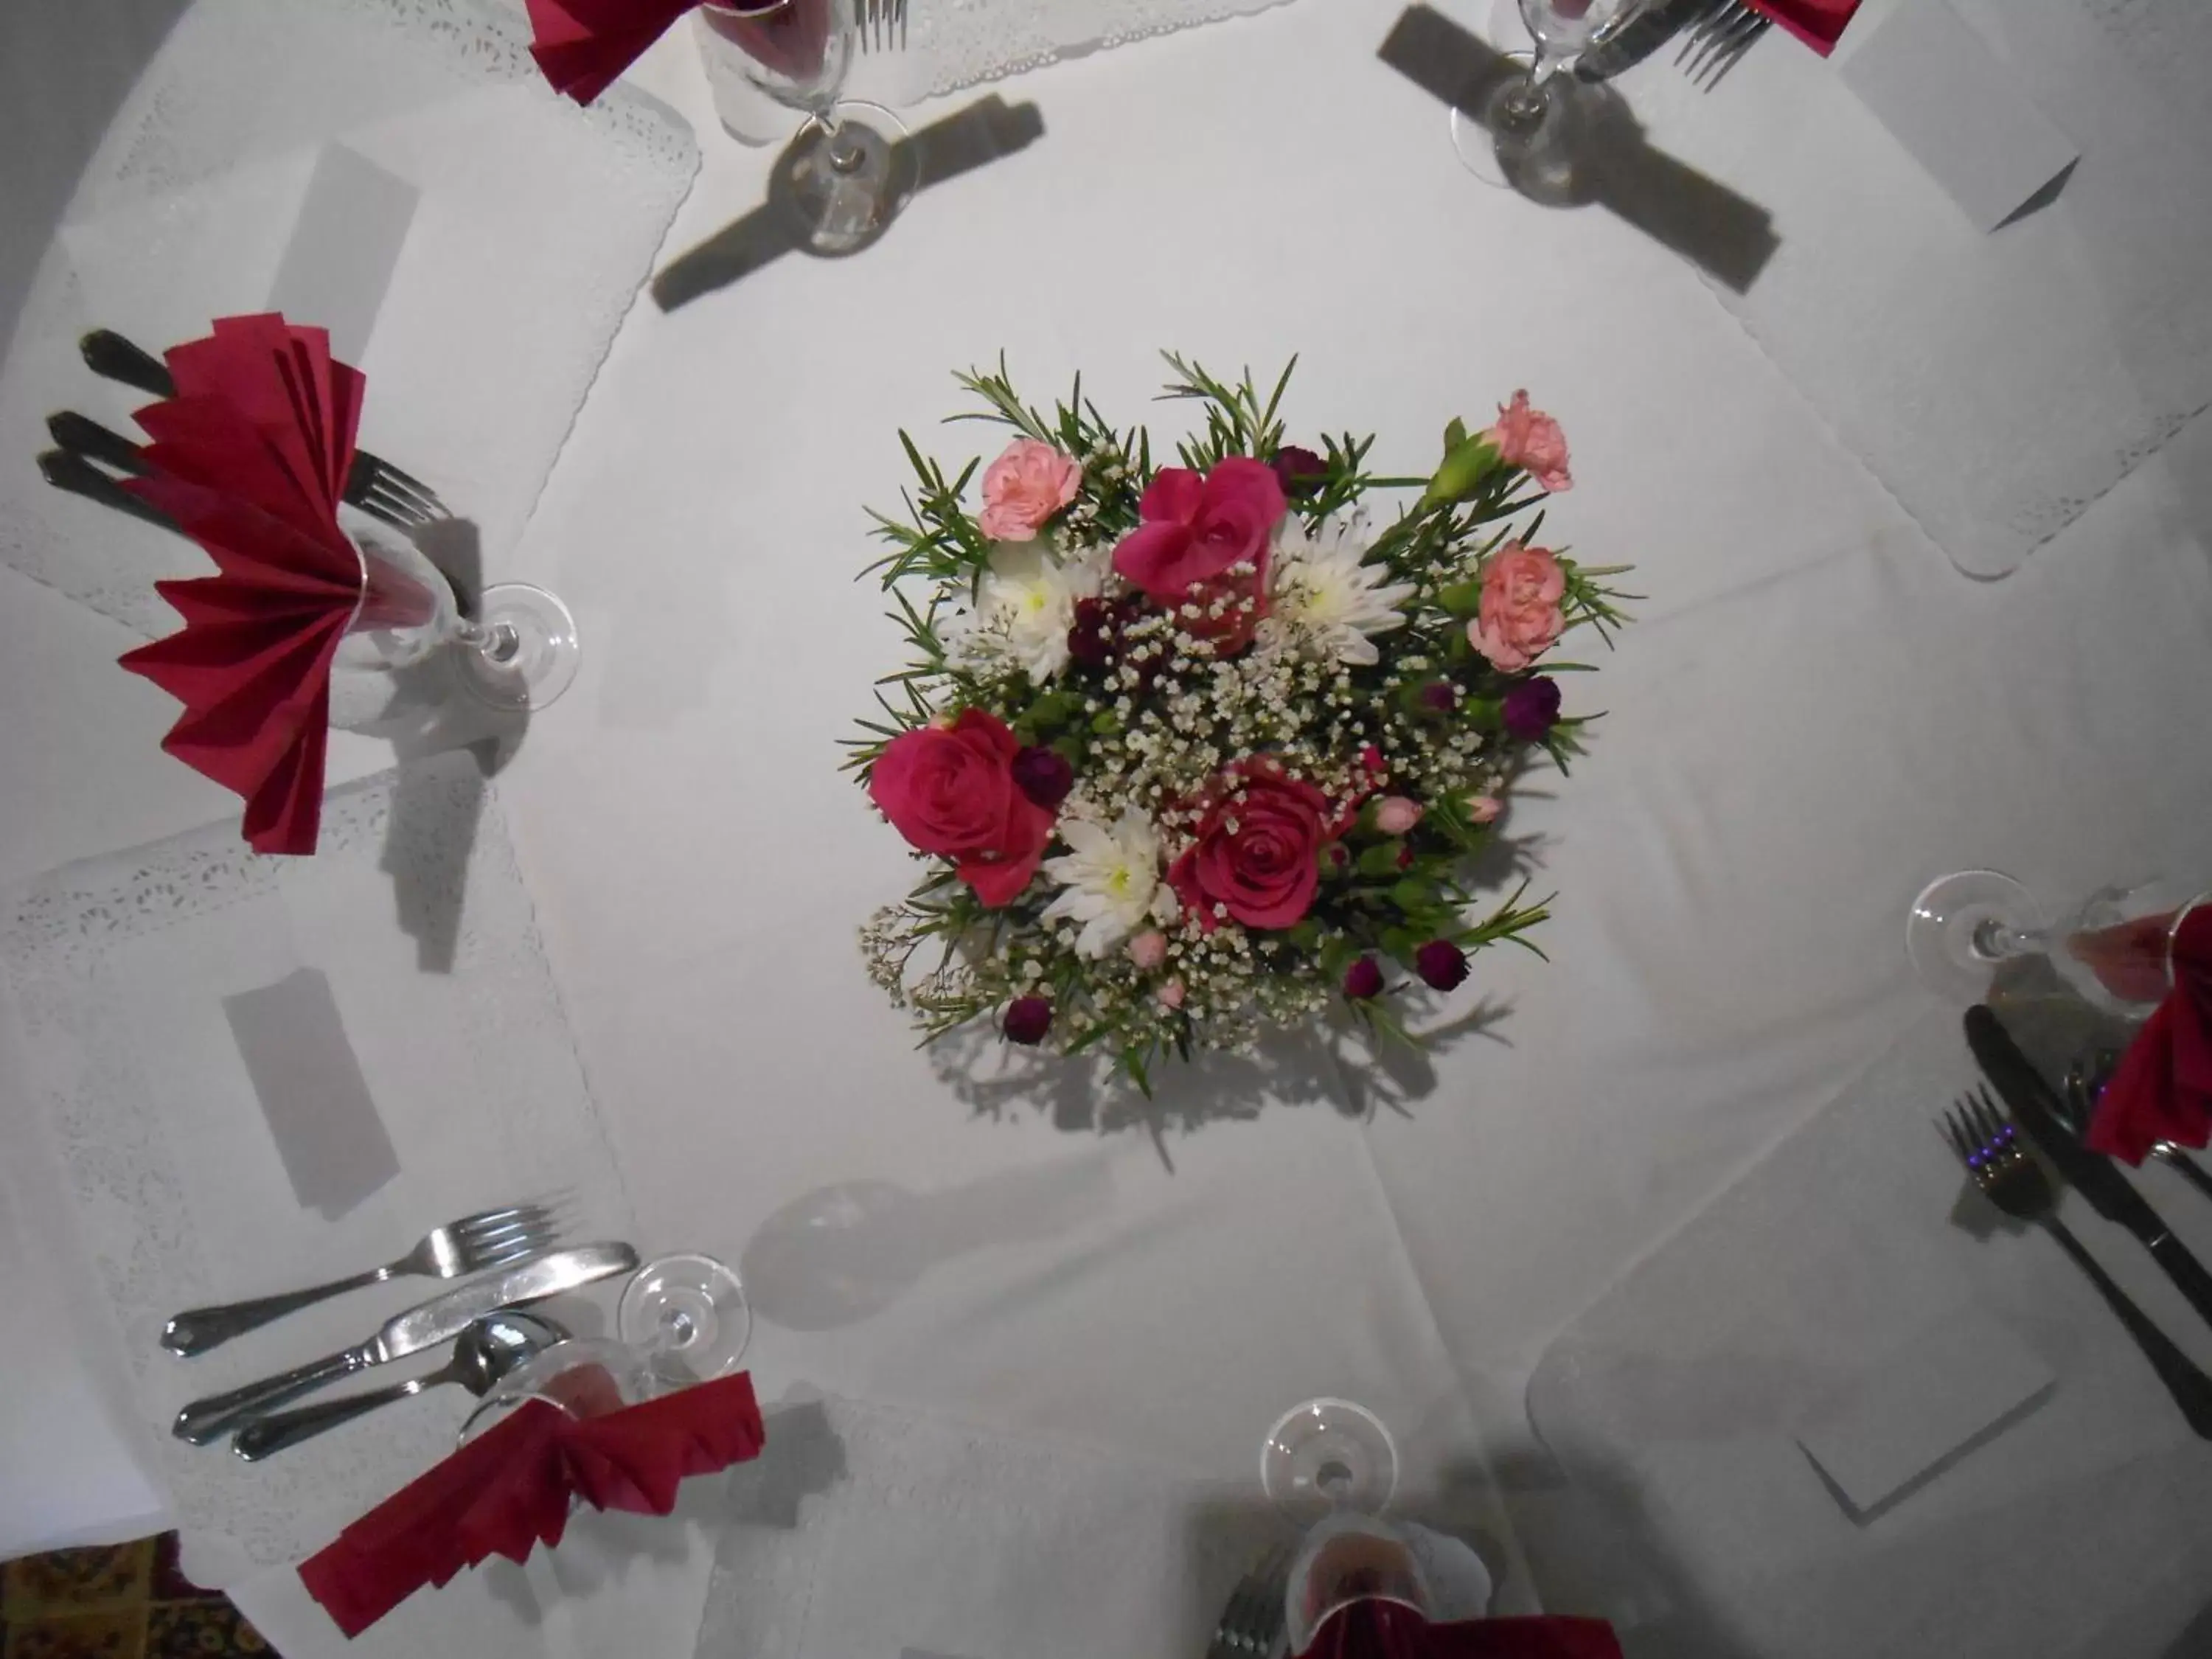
{"type": "Point", "coordinates": [1170, 995]}
{"type": "Point", "coordinates": [1149, 950]}
{"type": "Point", "coordinates": [1024, 487]}
{"type": "Point", "coordinates": [1519, 618]}
{"type": "Point", "coordinates": [1484, 809]}
{"type": "Point", "coordinates": [1531, 439]}
{"type": "Point", "coordinates": [1394, 815]}
{"type": "Point", "coordinates": [949, 790]}
{"type": "Point", "coordinates": [1195, 529]}
{"type": "Point", "coordinates": [1258, 850]}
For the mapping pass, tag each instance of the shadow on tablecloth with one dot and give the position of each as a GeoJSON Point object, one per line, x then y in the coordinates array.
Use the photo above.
{"type": "Point", "coordinates": [1725, 234]}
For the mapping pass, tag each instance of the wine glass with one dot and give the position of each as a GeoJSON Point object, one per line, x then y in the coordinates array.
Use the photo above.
{"type": "Point", "coordinates": [851, 168]}
{"type": "Point", "coordinates": [2114, 949]}
{"type": "Point", "coordinates": [1522, 124]}
{"type": "Point", "coordinates": [688, 1315]}
{"type": "Point", "coordinates": [1331, 1465]}
{"type": "Point", "coordinates": [1328, 1454]}
{"type": "Point", "coordinates": [518, 653]}
{"type": "Point", "coordinates": [682, 1320]}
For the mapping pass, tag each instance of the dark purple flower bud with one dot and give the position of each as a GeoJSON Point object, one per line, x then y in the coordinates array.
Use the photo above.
{"type": "Point", "coordinates": [1027, 1019]}
{"type": "Point", "coordinates": [1440, 696]}
{"type": "Point", "coordinates": [1044, 775]}
{"type": "Point", "coordinates": [1531, 707]}
{"type": "Point", "coordinates": [1441, 963]}
{"type": "Point", "coordinates": [1300, 472]}
{"type": "Point", "coordinates": [1362, 980]}
{"type": "Point", "coordinates": [1091, 640]}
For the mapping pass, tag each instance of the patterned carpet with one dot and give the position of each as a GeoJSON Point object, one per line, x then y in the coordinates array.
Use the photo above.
{"type": "Point", "coordinates": [117, 1601]}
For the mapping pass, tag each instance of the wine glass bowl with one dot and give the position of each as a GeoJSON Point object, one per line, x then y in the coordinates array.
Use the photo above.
{"type": "Point", "coordinates": [518, 653]}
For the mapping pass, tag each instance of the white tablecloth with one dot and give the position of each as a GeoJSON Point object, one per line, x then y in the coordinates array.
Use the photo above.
{"type": "Point", "coordinates": [1815, 714]}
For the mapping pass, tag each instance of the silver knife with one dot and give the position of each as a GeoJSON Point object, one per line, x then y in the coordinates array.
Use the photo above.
{"type": "Point", "coordinates": [440, 1319]}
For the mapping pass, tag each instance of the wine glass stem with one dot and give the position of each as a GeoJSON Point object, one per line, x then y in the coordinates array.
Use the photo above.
{"type": "Point", "coordinates": [496, 642]}
{"type": "Point", "coordinates": [847, 153]}
{"type": "Point", "coordinates": [1998, 943]}
{"type": "Point", "coordinates": [1526, 106]}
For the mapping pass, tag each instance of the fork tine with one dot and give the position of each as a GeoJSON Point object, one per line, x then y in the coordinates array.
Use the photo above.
{"type": "Point", "coordinates": [391, 474]}
{"type": "Point", "coordinates": [1993, 1119]}
{"type": "Point", "coordinates": [1955, 1132]}
{"type": "Point", "coordinates": [384, 481]}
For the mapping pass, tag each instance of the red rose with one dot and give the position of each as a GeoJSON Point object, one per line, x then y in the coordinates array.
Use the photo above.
{"type": "Point", "coordinates": [1258, 851]}
{"type": "Point", "coordinates": [1194, 531]}
{"type": "Point", "coordinates": [951, 790]}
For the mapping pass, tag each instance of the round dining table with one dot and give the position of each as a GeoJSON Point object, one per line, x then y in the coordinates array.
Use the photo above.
{"type": "Point", "coordinates": [1813, 713]}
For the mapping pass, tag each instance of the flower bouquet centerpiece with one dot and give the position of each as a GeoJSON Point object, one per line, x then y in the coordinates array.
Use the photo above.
{"type": "Point", "coordinates": [1191, 751]}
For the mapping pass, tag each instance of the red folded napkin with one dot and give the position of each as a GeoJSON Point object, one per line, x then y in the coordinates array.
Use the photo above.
{"type": "Point", "coordinates": [250, 460]}
{"type": "Point", "coordinates": [509, 1489]}
{"type": "Point", "coordinates": [583, 44]}
{"type": "Point", "coordinates": [2163, 1088]}
{"type": "Point", "coordinates": [1374, 1629]}
{"type": "Point", "coordinates": [1818, 23]}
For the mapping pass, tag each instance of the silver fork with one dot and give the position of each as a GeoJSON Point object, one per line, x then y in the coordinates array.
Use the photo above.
{"type": "Point", "coordinates": [1989, 1145]}
{"type": "Point", "coordinates": [1251, 1625]}
{"type": "Point", "coordinates": [489, 1238]}
{"type": "Point", "coordinates": [882, 25]}
{"type": "Point", "coordinates": [1716, 39]}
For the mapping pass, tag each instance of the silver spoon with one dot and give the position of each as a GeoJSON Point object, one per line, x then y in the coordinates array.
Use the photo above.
{"type": "Point", "coordinates": [486, 1351]}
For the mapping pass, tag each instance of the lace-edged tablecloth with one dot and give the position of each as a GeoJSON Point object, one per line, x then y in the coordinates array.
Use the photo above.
{"type": "Point", "coordinates": [534, 224]}
{"type": "Point", "coordinates": [415, 912]}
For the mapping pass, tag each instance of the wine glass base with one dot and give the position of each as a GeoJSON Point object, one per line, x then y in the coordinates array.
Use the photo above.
{"type": "Point", "coordinates": [844, 187]}
{"type": "Point", "coordinates": [534, 656]}
{"type": "Point", "coordinates": [1487, 146]}
{"type": "Point", "coordinates": [1328, 1454]}
{"type": "Point", "coordinates": [691, 1314]}
{"type": "Point", "coordinates": [1949, 932]}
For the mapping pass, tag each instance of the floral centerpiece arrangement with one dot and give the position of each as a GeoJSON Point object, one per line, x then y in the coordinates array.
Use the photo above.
{"type": "Point", "coordinates": [1191, 750]}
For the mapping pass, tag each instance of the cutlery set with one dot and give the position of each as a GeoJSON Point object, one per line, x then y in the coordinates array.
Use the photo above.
{"type": "Point", "coordinates": [91, 460]}
{"type": "Point", "coordinates": [506, 1259]}
{"type": "Point", "coordinates": [1993, 1142]}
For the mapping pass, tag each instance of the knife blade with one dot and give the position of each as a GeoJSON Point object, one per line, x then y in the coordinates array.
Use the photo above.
{"type": "Point", "coordinates": [2032, 1105]}
{"type": "Point", "coordinates": [440, 1319]}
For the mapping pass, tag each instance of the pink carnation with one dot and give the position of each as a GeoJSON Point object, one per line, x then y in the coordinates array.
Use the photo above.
{"type": "Point", "coordinates": [1531, 439]}
{"type": "Point", "coordinates": [1024, 488]}
{"type": "Point", "coordinates": [1520, 617]}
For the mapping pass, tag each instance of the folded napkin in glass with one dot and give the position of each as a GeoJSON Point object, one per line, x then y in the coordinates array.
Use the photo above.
{"type": "Point", "coordinates": [1818, 23]}
{"type": "Point", "coordinates": [2163, 1089]}
{"type": "Point", "coordinates": [1375, 1629]}
{"type": "Point", "coordinates": [250, 460]}
{"type": "Point", "coordinates": [512, 1488]}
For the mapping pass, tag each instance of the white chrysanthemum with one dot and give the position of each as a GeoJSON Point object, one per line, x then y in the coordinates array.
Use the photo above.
{"type": "Point", "coordinates": [1110, 882]}
{"type": "Point", "coordinates": [1027, 601]}
{"type": "Point", "coordinates": [1321, 599]}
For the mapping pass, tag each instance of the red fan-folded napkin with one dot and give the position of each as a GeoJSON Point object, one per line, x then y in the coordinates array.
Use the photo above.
{"type": "Point", "coordinates": [1818, 23]}
{"type": "Point", "coordinates": [1374, 1629]}
{"type": "Point", "coordinates": [583, 44]}
{"type": "Point", "coordinates": [2163, 1088]}
{"type": "Point", "coordinates": [250, 459]}
{"type": "Point", "coordinates": [509, 1489]}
